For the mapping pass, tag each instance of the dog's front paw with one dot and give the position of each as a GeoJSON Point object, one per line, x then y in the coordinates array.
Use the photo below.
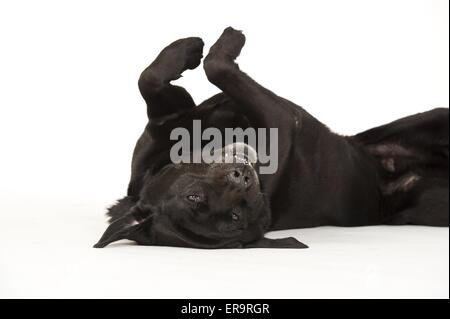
{"type": "Point", "coordinates": [229, 44]}
{"type": "Point", "coordinates": [193, 52]}
{"type": "Point", "coordinates": [179, 56]}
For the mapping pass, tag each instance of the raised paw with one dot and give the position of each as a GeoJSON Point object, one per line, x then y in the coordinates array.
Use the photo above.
{"type": "Point", "coordinates": [193, 52]}
{"type": "Point", "coordinates": [183, 54]}
{"type": "Point", "coordinates": [229, 44]}
{"type": "Point", "coordinates": [174, 59]}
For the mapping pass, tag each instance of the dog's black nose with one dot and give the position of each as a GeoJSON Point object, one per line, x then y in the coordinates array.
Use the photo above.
{"type": "Point", "coordinates": [241, 175]}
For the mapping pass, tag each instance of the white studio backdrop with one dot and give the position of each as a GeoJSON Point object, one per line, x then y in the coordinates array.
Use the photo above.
{"type": "Point", "coordinates": [70, 109]}
{"type": "Point", "coordinates": [71, 112]}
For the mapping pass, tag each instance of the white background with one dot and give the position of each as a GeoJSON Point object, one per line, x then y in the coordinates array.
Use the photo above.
{"type": "Point", "coordinates": [70, 113]}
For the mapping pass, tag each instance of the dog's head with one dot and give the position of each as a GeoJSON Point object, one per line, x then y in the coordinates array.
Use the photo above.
{"type": "Point", "coordinates": [215, 205]}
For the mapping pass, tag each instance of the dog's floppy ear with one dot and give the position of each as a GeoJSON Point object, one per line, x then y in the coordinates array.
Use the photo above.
{"type": "Point", "coordinates": [289, 242]}
{"type": "Point", "coordinates": [134, 225]}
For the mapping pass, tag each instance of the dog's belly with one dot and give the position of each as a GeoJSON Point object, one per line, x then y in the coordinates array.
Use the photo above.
{"type": "Point", "coordinates": [304, 208]}
{"type": "Point", "coordinates": [327, 181]}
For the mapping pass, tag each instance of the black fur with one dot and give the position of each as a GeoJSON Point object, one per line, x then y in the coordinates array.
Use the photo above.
{"type": "Point", "coordinates": [393, 174]}
{"type": "Point", "coordinates": [122, 205]}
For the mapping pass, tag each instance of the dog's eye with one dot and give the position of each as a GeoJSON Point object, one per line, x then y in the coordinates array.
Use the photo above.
{"type": "Point", "coordinates": [234, 216]}
{"type": "Point", "coordinates": [194, 198]}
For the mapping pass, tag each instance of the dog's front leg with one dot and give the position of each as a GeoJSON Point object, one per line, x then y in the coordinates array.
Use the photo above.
{"type": "Point", "coordinates": [261, 106]}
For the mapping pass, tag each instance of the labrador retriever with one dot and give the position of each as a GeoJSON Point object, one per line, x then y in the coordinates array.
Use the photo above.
{"type": "Point", "coordinates": [394, 174]}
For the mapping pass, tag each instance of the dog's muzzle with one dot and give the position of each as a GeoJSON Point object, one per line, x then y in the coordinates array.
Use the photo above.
{"type": "Point", "coordinates": [237, 153]}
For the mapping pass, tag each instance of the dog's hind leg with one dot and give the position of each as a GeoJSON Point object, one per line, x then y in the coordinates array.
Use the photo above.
{"type": "Point", "coordinates": [163, 98]}
{"type": "Point", "coordinates": [413, 156]}
{"type": "Point", "coordinates": [427, 204]}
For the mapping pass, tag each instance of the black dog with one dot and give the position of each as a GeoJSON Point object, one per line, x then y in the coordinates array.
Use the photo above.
{"type": "Point", "coordinates": [394, 174]}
